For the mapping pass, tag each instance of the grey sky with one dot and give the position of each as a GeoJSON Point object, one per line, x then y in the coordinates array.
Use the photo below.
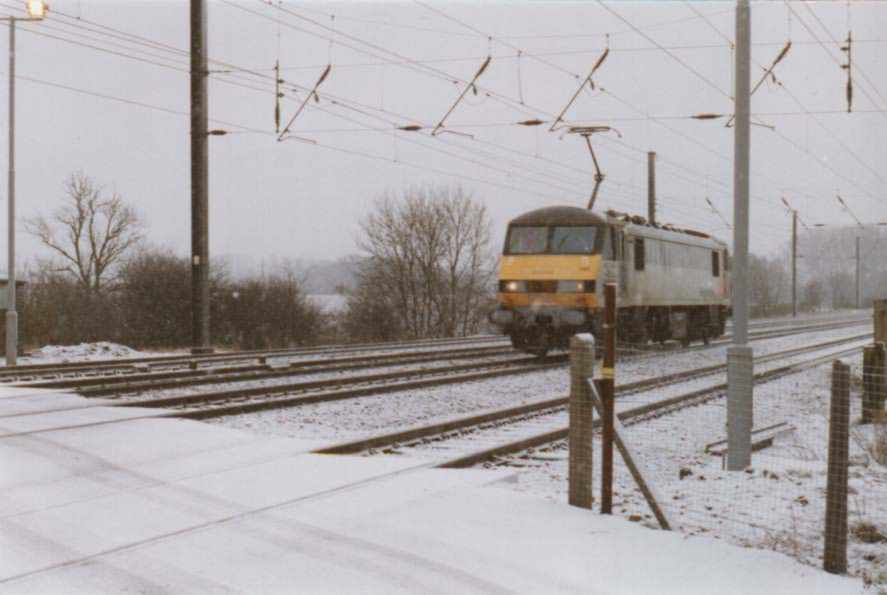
{"type": "Point", "coordinates": [293, 199]}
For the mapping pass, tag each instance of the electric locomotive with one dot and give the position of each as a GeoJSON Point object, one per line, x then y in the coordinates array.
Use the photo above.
{"type": "Point", "coordinates": [671, 283]}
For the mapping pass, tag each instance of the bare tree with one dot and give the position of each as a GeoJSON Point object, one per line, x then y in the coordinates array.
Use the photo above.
{"type": "Point", "coordinates": [428, 259]}
{"type": "Point", "coordinates": [769, 280]}
{"type": "Point", "coordinates": [90, 232]}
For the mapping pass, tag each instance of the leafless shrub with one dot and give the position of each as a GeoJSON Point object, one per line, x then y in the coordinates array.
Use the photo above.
{"type": "Point", "coordinates": [428, 268]}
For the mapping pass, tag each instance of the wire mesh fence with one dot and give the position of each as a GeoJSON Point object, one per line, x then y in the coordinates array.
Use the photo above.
{"type": "Point", "coordinates": [677, 432]}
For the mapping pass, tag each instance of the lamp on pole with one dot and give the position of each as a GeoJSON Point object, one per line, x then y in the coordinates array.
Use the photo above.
{"type": "Point", "coordinates": [36, 12]}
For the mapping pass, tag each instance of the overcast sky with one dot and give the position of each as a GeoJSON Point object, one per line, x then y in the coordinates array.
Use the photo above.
{"type": "Point", "coordinates": [295, 199]}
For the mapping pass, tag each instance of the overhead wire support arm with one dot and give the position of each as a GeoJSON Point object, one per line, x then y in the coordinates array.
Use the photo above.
{"type": "Point", "coordinates": [851, 213]}
{"type": "Point", "coordinates": [586, 81]}
{"type": "Point", "coordinates": [470, 85]}
{"type": "Point", "coordinates": [768, 73]}
{"type": "Point", "coordinates": [312, 93]}
{"type": "Point", "coordinates": [794, 211]}
{"type": "Point", "coordinates": [718, 213]}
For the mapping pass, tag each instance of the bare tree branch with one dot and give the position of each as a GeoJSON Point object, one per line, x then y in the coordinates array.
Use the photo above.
{"type": "Point", "coordinates": [90, 233]}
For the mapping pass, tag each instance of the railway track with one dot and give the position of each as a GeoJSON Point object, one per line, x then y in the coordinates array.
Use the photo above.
{"type": "Point", "coordinates": [531, 425]}
{"type": "Point", "coordinates": [134, 383]}
{"type": "Point", "coordinates": [250, 399]}
{"type": "Point", "coordinates": [169, 379]}
{"type": "Point", "coordinates": [257, 399]}
{"type": "Point", "coordinates": [207, 405]}
{"type": "Point", "coordinates": [77, 374]}
{"type": "Point", "coordinates": [135, 365]}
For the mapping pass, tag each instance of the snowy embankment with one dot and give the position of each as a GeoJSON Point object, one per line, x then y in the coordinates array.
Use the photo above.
{"type": "Point", "coordinates": [102, 350]}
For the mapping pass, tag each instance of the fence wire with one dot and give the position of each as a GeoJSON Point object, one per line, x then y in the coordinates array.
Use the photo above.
{"type": "Point", "coordinates": [779, 502]}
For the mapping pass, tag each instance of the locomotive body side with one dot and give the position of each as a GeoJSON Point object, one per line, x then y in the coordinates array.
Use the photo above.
{"type": "Point", "coordinates": [675, 285]}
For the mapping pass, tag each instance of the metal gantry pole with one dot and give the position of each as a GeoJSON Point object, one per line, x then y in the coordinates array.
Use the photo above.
{"type": "Point", "coordinates": [199, 183]}
{"type": "Point", "coordinates": [858, 278]}
{"type": "Point", "coordinates": [794, 263]}
{"type": "Point", "coordinates": [651, 187]}
{"type": "Point", "coordinates": [11, 314]}
{"type": "Point", "coordinates": [739, 356]}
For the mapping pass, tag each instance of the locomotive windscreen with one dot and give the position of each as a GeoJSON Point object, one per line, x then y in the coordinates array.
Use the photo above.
{"type": "Point", "coordinates": [561, 239]}
{"type": "Point", "coordinates": [527, 240]}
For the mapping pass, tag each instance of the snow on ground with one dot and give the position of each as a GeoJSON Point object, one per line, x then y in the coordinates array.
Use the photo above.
{"type": "Point", "coordinates": [778, 504]}
{"type": "Point", "coordinates": [82, 352]}
{"type": "Point", "coordinates": [323, 376]}
{"type": "Point", "coordinates": [770, 508]}
{"type": "Point", "coordinates": [351, 418]}
{"type": "Point", "coordinates": [178, 506]}
{"type": "Point", "coordinates": [824, 315]}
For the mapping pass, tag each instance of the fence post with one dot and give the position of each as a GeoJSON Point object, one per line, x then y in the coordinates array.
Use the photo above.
{"type": "Point", "coordinates": [880, 317]}
{"type": "Point", "coordinates": [874, 358]}
{"type": "Point", "coordinates": [835, 554]}
{"type": "Point", "coordinates": [581, 418]}
{"type": "Point", "coordinates": [607, 391]}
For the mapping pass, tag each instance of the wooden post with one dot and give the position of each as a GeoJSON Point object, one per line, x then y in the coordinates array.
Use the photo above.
{"type": "Point", "coordinates": [581, 420]}
{"type": "Point", "coordinates": [874, 366]}
{"type": "Point", "coordinates": [835, 554]}
{"type": "Point", "coordinates": [607, 396]}
{"type": "Point", "coordinates": [880, 321]}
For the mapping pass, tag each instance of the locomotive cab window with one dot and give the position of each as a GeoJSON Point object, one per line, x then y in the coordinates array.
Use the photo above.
{"type": "Point", "coordinates": [639, 256]}
{"type": "Point", "coordinates": [574, 239]}
{"type": "Point", "coordinates": [715, 265]}
{"type": "Point", "coordinates": [527, 240]}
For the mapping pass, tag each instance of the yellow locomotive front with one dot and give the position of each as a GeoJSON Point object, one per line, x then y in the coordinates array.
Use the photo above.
{"type": "Point", "coordinates": [548, 274]}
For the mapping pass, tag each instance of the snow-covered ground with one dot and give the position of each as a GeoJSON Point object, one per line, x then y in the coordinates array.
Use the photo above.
{"type": "Point", "coordinates": [344, 420]}
{"type": "Point", "coordinates": [323, 376]}
{"type": "Point", "coordinates": [778, 504]}
{"type": "Point", "coordinates": [83, 352]}
{"type": "Point", "coordinates": [175, 506]}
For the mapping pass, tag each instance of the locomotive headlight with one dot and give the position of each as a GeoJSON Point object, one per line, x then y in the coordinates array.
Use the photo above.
{"type": "Point", "coordinates": [512, 286]}
{"type": "Point", "coordinates": [575, 286]}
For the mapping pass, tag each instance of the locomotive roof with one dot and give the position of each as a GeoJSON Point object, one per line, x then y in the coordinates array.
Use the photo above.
{"type": "Point", "coordinates": [559, 216]}
{"type": "Point", "coordinates": [638, 226]}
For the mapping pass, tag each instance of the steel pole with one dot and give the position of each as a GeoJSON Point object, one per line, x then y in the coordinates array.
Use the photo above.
{"type": "Point", "coordinates": [11, 314]}
{"type": "Point", "coordinates": [199, 183]}
{"type": "Point", "coordinates": [858, 278]}
{"type": "Point", "coordinates": [651, 187]}
{"type": "Point", "coordinates": [794, 264]}
{"type": "Point", "coordinates": [739, 356]}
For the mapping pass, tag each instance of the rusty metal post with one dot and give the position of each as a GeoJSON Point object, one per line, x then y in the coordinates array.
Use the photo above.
{"type": "Point", "coordinates": [606, 386]}
{"type": "Point", "coordinates": [835, 554]}
{"type": "Point", "coordinates": [581, 421]}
